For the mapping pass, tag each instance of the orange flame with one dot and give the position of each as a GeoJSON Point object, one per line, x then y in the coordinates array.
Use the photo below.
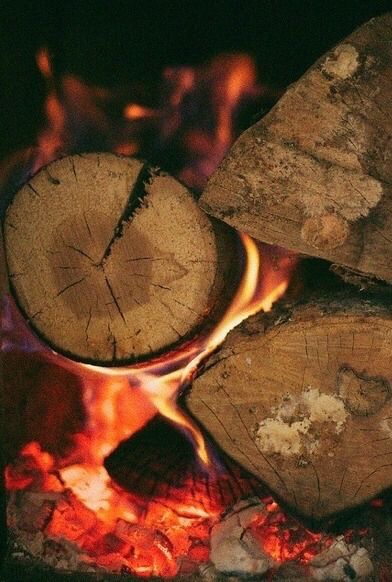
{"type": "Point", "coordinates": [247, 301]}
{"type": "Point", "coordinates": [44, 63]}
{"type": "Point", "coordinates": [136, 111]}
{"type": "Point", "coordinates": [116, 410]}
{"type": "Point", "coordinates": [120, 401]}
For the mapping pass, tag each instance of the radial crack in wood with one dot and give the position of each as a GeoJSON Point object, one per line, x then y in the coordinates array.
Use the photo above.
{"type": "Point", "coordinates": [302, 399]}
{"type": "Point", "coordinates": [315, 174]}
{"type": "Point", "coordinates": [113, 261]}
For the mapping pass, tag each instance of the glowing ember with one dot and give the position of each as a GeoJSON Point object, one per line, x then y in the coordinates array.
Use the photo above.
{"type": "Point", "coordinates": [135, 111]}
{"type": "Point", "coordinates": [285, 539]}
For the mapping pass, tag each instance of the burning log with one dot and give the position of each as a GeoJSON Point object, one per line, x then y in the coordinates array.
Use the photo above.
{"type": "Point", "coordinates": [302, 399]}
{"type": "Point", "coordinates": [314, 175]}
{"type": "Point", "coordinates": [112, 261]}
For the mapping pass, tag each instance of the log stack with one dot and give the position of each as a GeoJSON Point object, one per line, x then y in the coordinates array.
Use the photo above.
{"type": "Point", "coordinates": [113, 262]}
{"type": "Point", "coordinates": [302, 397]}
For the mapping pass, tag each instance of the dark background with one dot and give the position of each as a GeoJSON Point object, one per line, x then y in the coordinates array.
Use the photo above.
{"type": "Point", "coordinates": [116, 42]}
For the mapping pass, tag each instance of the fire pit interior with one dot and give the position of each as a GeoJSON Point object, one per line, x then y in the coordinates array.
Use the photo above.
{"type": "Point", "coordinates": [183, 400]}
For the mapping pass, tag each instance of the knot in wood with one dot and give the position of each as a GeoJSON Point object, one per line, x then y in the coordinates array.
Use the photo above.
{"type": "Point", "coordinates": [328, 231]}
{"type": "Point", "coordinates": [363, 395]}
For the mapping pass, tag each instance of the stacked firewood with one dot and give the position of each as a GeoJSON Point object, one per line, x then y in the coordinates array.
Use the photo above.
{"type": "Point", "coordinates": [114, 262]}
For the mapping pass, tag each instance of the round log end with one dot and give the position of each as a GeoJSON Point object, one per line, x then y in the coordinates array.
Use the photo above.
{"type": "Point", "coordinates": [112, 261]}
{"type": "Point", "coordinates": [305, 403]}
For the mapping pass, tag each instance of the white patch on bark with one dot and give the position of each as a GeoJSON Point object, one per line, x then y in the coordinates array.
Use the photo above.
{"type": "Point", "coordinates": [277, 436]}
{"type": "Point", "coordinates": [325, 408]}
{"type": "Point", "coordinates": [292, 427]}
{"type": "Point", "coordinates": [343, 63]}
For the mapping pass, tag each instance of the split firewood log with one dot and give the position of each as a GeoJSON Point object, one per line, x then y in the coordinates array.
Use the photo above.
{"type": "Point", "coordinates": [301, 398]}
{"type": "Point", "coordinates": [315, 174]}
{"type": "Point", "coordinates": [112, 261]}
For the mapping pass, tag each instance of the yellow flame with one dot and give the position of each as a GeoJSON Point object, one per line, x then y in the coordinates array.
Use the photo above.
{"type": "Point", "coordinates": [246, 302]}
{"type": "Point", "coordinates": [162, 389]}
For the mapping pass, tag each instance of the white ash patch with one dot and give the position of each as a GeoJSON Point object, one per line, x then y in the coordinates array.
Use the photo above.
{"type": "Point", "coordinates": [293, 425]}
{"type": "Point", "coordinates": [233, 548]}
{"type": "Point", "coordinates": [277, 436]}
{"type": "Point", "coordinates": [343, 62]}
{"type": "Point", "coordinates": [342, 561]}
{"type": "Point", "coordinates": [325, 408]}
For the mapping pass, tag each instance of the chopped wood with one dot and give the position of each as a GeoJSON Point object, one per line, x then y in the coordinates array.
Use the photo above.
{"type": "Point", "coordinates": [112, 261]}
{"type": "Point", "coordinates": [315, 174]}
{"type": "Point", "coordinates": [302, 399]}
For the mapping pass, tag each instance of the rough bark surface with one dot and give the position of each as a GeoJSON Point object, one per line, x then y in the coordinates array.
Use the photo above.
{"type": "Point", "coordinates": [112, 261]}
{"type": "Point", "coordinates": [315, 175]}
{"type": "Point", "coordinates": [302, 399]}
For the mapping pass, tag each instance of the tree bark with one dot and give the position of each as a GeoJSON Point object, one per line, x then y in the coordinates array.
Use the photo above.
{"type": "Point", "coordinates": [112, 261]}
{"type": "Point", "coordinates": [315, 175]}
{"type": "Point", "coordinates": [302, 399]}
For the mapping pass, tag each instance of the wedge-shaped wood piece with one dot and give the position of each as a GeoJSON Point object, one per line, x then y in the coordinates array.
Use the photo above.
{"type": "Point", "coordinates": [302, 399]}
{"type": "Point", "coordinates": [112, 261]}
{"type": "Point", "coordinates": [315, 175]}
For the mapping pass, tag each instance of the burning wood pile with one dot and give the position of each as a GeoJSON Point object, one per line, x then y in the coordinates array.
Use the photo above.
{"type": "Point", "coordinates": [154, 318]}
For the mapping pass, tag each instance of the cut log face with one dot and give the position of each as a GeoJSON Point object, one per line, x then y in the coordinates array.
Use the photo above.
{"type": "Point", "coordinates": [112, 261]}
{"type": "Point", "coordinates": [303, 400]}
{"type": "Point", "coordinates": [315, 174]}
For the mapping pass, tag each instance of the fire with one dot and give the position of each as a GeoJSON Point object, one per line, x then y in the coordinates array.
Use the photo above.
{"type": "Point", "coordinates": [285, 539]}
{"type": "Point", "coordinates": [124, 529]}
{"type": "Point", "coordinates": [135, 111]}
{"type": "Point", "coordinates": [158, 391]}
{"type": "Point", "coordinates": [252, 296]}
{"type": "Point", "coordinates": [44, 63]}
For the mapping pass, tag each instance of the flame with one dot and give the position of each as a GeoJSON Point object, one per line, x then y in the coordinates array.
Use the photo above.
{"type": "Point", "coordinates": [119, 402]}
{"type": "Point", "coordinates": [44, 63]}
{"type": "Point", "coordinates": [258, 290]}
{"type": "Point", "coordinates": [135, 111]}
{"type": "Point", "coordinates": [116, 410]}
{"type": "Point", "coordinates": [239, 77]}
{"type": "Point", "coordinates": [248, 300]}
